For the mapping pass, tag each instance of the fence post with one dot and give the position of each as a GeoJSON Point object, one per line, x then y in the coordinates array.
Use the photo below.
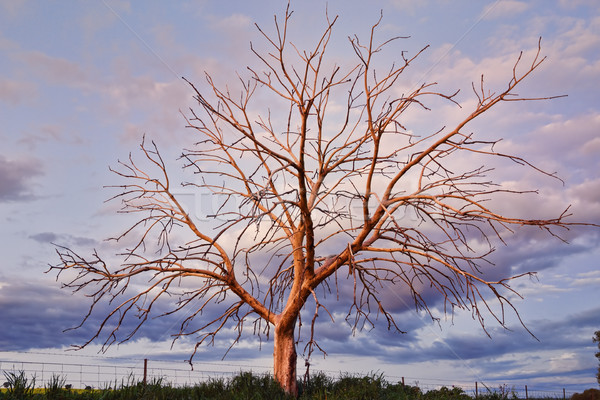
{"type": "Point", "coordinates": [564, 394]}
{"type": "Point", "coordinates": [476, 390]}
{"type": "Point", "coordinates": [402, 381]}
{"type": "Point", "coordinates": [526, 393]}
{"type": "Point", "coordinates": [145, 370]}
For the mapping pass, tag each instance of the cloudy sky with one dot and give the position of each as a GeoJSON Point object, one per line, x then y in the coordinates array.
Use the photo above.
{"type": "Point", "coordinates": [81, 82]}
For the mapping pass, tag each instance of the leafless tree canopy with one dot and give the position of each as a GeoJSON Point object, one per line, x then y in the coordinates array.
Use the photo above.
{"type": "Point", "coordinates": [313, 196]}
{"type": "Point", "coordinates": [596, 339]}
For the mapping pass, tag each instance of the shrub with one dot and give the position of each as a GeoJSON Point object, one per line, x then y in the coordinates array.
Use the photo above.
{"type": "Point", "coordinates": [318, 386]}
{"type": "Point", "coordinates": [588, 394]}
{"type": "Point", "coordinates": [502, 393]}
{"type": "Point", "coordinates": [248, 386]}
{"type": "Point", "coordinates": [355, 387]}
{"type": "Point", "coordinates": [399, 391]}
{"type": "Point", "coordinates": [444, 393]}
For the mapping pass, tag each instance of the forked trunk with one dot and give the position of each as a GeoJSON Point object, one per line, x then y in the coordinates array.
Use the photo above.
{"type": "Point", "coordinates": [284, 358]}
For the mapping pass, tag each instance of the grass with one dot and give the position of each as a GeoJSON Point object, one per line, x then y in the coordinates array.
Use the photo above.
{"type": "Point", "coordinates": [245, 386]}
{"type": "Point", "coordinates": [18, 385]}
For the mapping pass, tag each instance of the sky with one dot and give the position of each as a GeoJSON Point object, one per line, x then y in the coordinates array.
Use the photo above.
{"type": "Point", "coordinates": [82, 82]}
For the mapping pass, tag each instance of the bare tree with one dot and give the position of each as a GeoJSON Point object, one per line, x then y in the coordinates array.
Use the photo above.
{"type": "Point", "coordinates": [596, 339]}
{"type": "Point", "coordinates": [311, 202]}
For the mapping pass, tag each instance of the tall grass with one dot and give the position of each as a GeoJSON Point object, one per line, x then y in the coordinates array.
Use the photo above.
{"type": "Point", "coordinates": [244, 386]}
{"type": "Point", "coordinates": [18, 387]}
{"type": "Point", "coordinates": [54, 387]}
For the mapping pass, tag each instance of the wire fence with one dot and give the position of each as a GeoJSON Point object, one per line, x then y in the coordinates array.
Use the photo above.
{"type": "Point", "coordinates": [114, 373]}
{"type": "Point", "coordinates": [82, 375]}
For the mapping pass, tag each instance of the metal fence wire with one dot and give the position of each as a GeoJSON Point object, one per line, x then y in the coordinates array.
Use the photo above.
{"type": "Point", "coordinates": [116, 373]}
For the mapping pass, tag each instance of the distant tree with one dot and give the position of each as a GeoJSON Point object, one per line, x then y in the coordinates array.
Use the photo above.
{"type": "Point", "coordinates": [596, 339]}
{"type": "Point", "coordinates": [311, 206]}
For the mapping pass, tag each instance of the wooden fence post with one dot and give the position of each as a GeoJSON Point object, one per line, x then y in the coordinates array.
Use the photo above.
{"type": "Point", "coordinates": [476, 390]}
{"type": "Point", "coordinates": [526, 393]}
{"type": "Point", "coordinates": [145, 370]}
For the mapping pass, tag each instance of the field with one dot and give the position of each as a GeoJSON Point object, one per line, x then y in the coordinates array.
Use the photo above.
{"type": "Point", "coordinates": [245, 386]}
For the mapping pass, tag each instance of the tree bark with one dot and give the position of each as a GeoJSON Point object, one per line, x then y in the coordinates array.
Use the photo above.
{"type": "Point", "coordinates": [284, 357]}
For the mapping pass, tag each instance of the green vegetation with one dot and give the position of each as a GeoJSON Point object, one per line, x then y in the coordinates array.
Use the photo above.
{"type": "Point", "coordinates": [18, 386]}
{"type": "Point", "coordinates": [245, 386]}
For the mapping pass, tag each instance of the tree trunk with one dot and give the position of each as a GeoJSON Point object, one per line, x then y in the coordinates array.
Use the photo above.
{"type": "Point", "coordinates": [284, 358]}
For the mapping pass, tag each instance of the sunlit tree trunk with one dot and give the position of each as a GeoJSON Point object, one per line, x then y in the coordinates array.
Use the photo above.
{"type": "Point", "coordinates": [284, 356]}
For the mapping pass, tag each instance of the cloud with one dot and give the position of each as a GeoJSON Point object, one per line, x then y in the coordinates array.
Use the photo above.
{"type": "Point", "coordinates": [585, 198]}
{"type": "Point", "coordinates": [504, 8]}
{"type": "Point", "coordinates": [44, 237]}
{"type": "Point", "coordinates": [533, 251]}
{"type": "Point", "coordinates": [13, 8]}
{"type": "Point", "coordinates": [553, 142]}
{"type": "Point", "coordinates": [578, 320]}
{"type": "Point", "coordinates": [62, 239]}
{"type": "Point", "coordinates": [55, 70]}
{"type": "Point", "coordinates": [570, 45]}
{"type": "Point", "coordinates": [15, 178]}
{"type": "Point", "coordinates": [16, 92]}
{"type": "Point", "coordinates": [567, 335]}
{"type": "Point", "coordinates": [127, 96]}
{"type": "Point", "coordinates": [233, 32]}
{"type": "Point", "coordinates": [409, 6]}
{"type": "Point", "coordinates": [459, 343]}
{"type": "Point", "coordinates": [230, 23]}
{"type": "Point", "coordinates": [569, 4]}
{"type": "Point", "coordinates": [36, 315]}
{"type": "Point", "coordinates": [7, 44]}
{"type": "Point", "coordinates": [123, 96]}
{"type": "Point", "coordinates": [591, 278]}
{"type": "Point", "coordinates": [38, 311]}
{"type": "Point", "coordinates": [100, 18]}
{"type": "Point", "coordinates": [570, 143]}
{"type": "Point", "coordinates": [39, 137]}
